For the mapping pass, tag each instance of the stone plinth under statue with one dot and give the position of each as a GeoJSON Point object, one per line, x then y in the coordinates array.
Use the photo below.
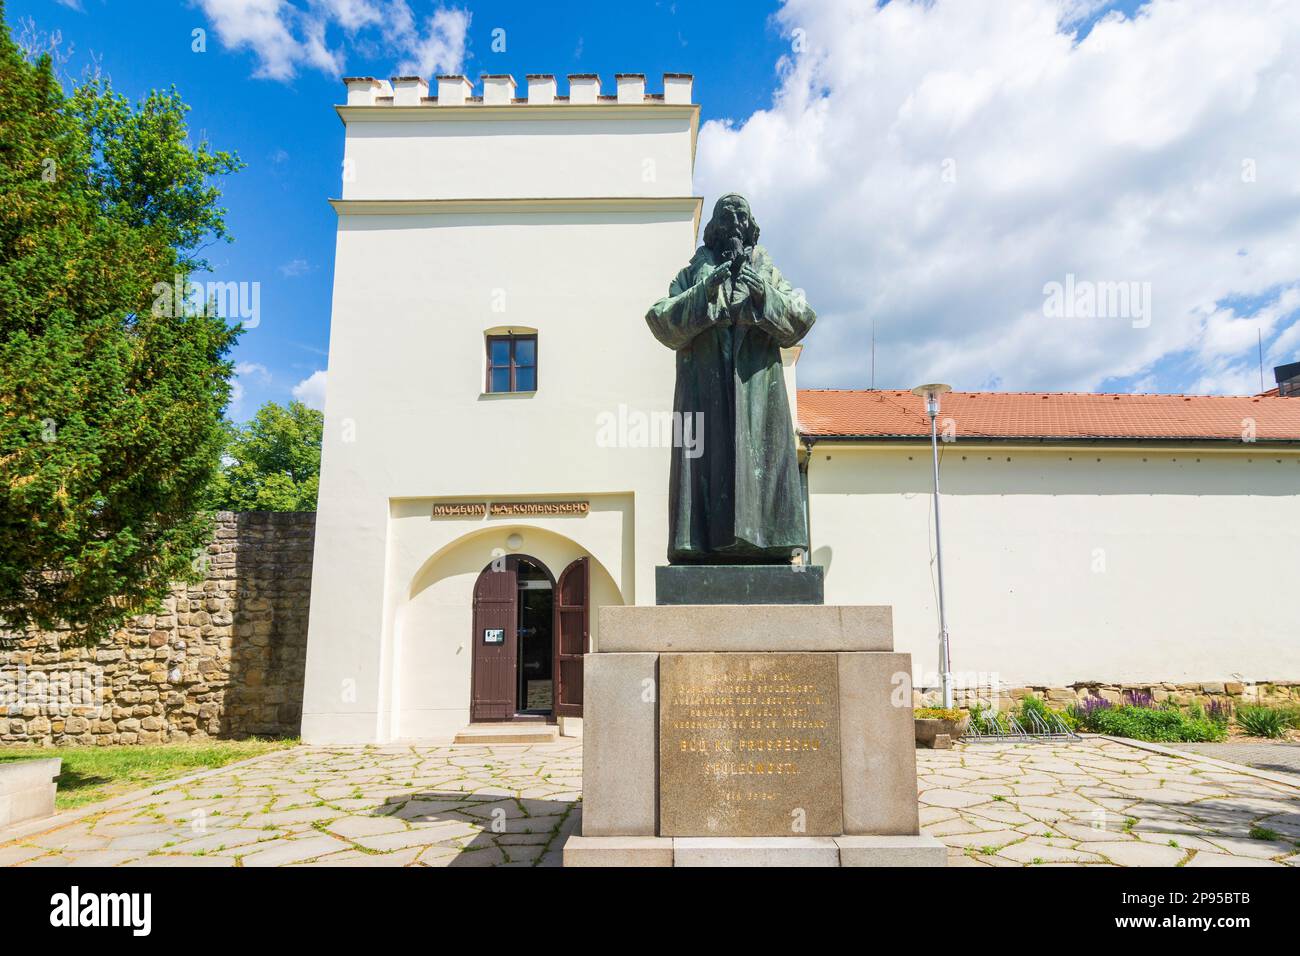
{"type": "Point", "coordinates": [740, 584]}
{"type": "Point", "coordinates": [764, 735]}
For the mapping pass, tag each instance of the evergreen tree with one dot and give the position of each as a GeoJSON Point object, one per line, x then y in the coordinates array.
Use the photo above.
{"type": "Point", "coordinates": [110, 409]}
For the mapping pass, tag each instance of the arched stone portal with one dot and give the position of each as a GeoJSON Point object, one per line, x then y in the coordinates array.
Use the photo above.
{"type": "Point", "coordinates": [440, 633]}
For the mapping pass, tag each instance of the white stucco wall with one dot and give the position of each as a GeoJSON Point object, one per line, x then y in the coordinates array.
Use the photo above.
{"type": "Point", "coordinates": [1071, 564]}
{"type": "Point", "coordinates": [529, 152]}
{"type": "Point", "coordinates": [416, 287]}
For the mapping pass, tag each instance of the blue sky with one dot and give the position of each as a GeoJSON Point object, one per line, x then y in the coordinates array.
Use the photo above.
{"type": "Point", "coordinates": [292, 141]}
{"type": "Point", "coordinates": [1101, 140]}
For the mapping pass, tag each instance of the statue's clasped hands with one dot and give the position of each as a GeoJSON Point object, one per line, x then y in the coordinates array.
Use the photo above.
{"type": "Point", "coordinates": [718, 278]}
{"type": "Point", "coordinates": [748, 277]}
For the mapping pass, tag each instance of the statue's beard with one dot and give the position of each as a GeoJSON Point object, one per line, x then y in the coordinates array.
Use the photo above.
{"type": "Point", "coordinates": [733, 251]}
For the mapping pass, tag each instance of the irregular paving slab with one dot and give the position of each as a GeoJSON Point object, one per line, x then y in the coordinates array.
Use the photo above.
{"type": "Point", "coordinates": [1102, 801]}
{"type": "Point", "coordinates": [373, 806]}
{"type": "Point", "coordinates": [1137, 853]}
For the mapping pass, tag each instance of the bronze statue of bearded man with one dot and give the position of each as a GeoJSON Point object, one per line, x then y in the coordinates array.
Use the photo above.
{"type": "Point", "coordinates": [735, 496]}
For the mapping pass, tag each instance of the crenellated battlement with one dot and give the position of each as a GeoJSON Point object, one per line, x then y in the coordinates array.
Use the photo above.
{"type": "Point", "coordinates": [499, 89]}
{"type": "Point", "coordinates": [496, 141]}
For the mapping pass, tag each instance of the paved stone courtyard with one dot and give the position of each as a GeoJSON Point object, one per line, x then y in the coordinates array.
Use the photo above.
{"type": "Point", "coordinates": [1092, 803]}
{"type": "Point", "coordinates": [1263, 755]}
{"type": "Point", "coordinates": [1099, 802]}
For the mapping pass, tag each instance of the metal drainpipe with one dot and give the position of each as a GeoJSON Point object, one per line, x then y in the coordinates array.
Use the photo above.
{"type": "Point", "coordinates": [803, 480]}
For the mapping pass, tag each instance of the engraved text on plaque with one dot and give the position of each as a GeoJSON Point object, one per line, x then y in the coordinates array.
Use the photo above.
{"type": "Point", "coordinates": [749, 745]}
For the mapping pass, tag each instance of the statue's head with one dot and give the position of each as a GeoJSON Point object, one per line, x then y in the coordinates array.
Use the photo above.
{"type": "Point", "coordinates": [732, 224]}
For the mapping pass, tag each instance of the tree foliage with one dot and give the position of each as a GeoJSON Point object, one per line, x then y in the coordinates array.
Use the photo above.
{"type": "Point", "coordinates": [110, 414]}
{"type": "Point", "coordinates": [273, 462]}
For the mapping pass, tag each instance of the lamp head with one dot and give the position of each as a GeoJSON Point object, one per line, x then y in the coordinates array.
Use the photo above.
{"type": "Point", "coordinates": [931, 395]}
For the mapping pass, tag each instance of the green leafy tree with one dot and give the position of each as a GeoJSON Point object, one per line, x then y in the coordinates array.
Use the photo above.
{"type": "Point", "coordinates": [110, 408]}
{"type": "Point", "coordinates": [273, 462]}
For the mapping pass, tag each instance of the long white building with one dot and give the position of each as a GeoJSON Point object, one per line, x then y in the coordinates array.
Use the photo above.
{"type": "Point", "coordinates": [495, 463]}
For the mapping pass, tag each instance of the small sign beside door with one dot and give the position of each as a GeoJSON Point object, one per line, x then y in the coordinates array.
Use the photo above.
{"type": "Point", "coordinates": [494, 635]}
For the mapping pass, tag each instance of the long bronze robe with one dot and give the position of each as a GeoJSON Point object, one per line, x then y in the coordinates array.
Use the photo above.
{"type": "Point", "coordinates": [740, 501]}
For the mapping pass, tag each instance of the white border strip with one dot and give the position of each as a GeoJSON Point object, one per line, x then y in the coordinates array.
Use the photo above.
{"type": "Point", "coordinates": [1272, 776]}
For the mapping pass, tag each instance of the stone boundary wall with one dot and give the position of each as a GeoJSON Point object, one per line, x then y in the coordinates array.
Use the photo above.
{"type": "Point", "coordinates": [1235, 692]}
{"type": "Point", "coordinates": [225, 658]}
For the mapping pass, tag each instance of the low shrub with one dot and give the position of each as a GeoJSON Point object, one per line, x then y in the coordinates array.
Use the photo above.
{"type": "Point", "coordinates": [1139, 698]}
{"type": "Point", "coordinates": [1067, 717]}
{"type": "Point", "coordinates": [937, 713]}
{"type": "Point", "coordinates": [1263, 721]}
{"type": "Point", "coordinates": [1081, 713]}
{"type": "Point", "coordinates": [988, 721]}
{"type": "Point", "coordinates": [1219, 711]}
{"type": "Point", "coordinates": [1291, 715]}
{"type": "Point", "coordinates": [1031, 707]}
{"type": "Point", "coordinates": [984, 721]}
{"type": "Point", "coordinates": [1159, 724]}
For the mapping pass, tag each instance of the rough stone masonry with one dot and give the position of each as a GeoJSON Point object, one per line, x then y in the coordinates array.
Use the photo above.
{"type": "Point", "coordinates": [225, 658]}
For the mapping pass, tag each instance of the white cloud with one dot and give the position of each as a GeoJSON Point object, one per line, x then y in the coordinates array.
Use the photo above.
{"type": "Point", "coordinates": [250, 371]}
{"type": "Point", "coordinates": [253, 369]}
{"type": "Point", "coordinates": [294, 268]}
{"type": "Point", "coordinates": [932, 165]}
{"type": "Point", "coordinates": [311, 390]}
{"type": "Point", "coordinates": [269, 28]}
{"type": "Point", "coordinates": [350, 14]}
{"type": "Point", "coordinates": [286, 36]}
{"type": "Point", "coordinates": [440, 48]}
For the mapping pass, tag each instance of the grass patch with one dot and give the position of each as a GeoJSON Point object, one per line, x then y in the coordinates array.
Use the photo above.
{"type": "Point", "coordinates": [1264, 833]}
{"type": "Point", "coordinates": [91, 774]}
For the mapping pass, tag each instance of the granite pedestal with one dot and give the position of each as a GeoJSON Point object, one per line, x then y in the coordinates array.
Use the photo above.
{"type": "Point", "coordinates": [749, 735]}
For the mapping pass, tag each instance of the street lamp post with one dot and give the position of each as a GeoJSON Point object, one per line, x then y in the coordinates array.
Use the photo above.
{"type": "Point", "coordinates": [931, 395]}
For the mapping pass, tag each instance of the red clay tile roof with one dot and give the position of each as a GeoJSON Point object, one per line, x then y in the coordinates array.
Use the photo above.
{"type": "Point", "coordinates": [1066, 416]}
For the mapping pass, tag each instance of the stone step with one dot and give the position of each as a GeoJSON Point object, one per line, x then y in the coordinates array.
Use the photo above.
{"type": "Point", "coordinates": [27, 789]}
{"type": "Point", "coordinates": [489, 735]}
{"type": "Point", "coordinates": [870, 851]}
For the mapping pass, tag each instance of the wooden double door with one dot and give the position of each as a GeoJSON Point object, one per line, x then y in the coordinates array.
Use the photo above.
{"type": "Point", "coordinates": [510, 621]}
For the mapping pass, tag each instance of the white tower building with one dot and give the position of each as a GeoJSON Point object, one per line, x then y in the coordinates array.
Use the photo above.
{"type": "Point", "coordinates": [493, 460]}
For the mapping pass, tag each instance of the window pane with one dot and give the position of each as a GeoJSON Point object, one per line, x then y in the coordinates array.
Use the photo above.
{"type": "Point", "coordinates": [525, 379]}
{"type": "Point", "coordinates": [525, 351]}
{"type": "Point", "coordinates": [500, 380]}
{"type": "Point", "coordinates": [499, 352]}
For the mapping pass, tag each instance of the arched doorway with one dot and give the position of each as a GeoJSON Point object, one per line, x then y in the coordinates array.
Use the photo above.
{"type": "Point", "coordinates": [529, 634]}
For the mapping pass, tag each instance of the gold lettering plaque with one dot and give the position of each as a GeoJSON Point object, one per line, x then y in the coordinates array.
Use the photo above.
{"type": "Point", "coordinates": [539, 508]}
{"type": "Point", "coordinates": [465, 509]}
{"type": "Point", "coordinates": [511, 509]}
{"type": "Point", "coordinates": [749, 745]}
